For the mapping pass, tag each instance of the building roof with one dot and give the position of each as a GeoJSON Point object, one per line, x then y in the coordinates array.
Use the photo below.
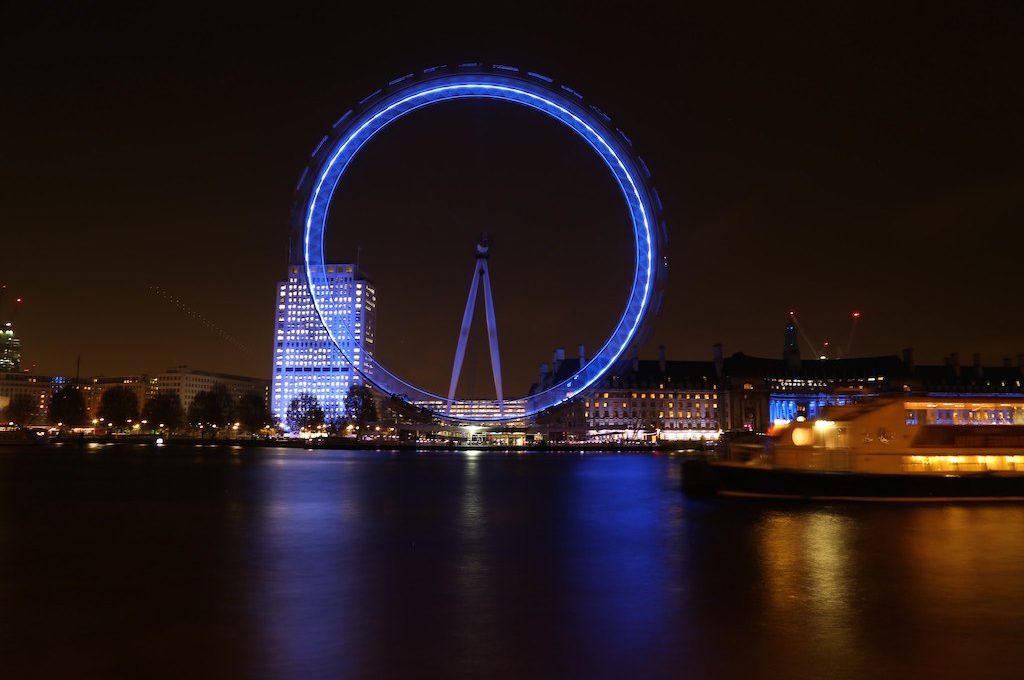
{"type": "Point", "coordinates": [969, 379]}
{"type": "Point", "coordinates": [867, 370]}
{"type": "Point", "coordinates": [648, 373]}
{"type": "Point", "coordinates": [185, 370]}
{"type": "Point", "coordinates": [741, 365]}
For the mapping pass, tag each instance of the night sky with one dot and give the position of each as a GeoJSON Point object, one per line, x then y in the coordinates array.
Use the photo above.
{"type": "Point", "coordinates": [835, 157]}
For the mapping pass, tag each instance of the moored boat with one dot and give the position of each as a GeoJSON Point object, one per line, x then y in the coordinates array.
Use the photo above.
{"type": "Point", "coordinates": [912, 449]}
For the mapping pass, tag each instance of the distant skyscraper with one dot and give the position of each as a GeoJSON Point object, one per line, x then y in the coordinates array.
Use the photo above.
{"type": "Point", "coordinates": [10, 349]}
{"type": "Point", "coordinates": [305, 358]}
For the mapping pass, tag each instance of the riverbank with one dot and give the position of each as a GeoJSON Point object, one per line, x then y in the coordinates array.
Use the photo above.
{"type": "Point", "coordinates": [339, 443]}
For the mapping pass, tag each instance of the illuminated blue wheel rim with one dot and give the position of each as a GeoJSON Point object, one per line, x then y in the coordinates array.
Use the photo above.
{"type": "Point", "coordinates": [474, 81]}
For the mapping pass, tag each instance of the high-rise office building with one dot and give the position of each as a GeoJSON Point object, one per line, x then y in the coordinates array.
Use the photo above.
{"type": "Point", "coordinates": [10, 349]}
{"type": "Point", "coordinates": [306, 360]}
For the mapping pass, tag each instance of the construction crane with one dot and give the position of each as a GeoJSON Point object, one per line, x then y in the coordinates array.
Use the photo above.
{"type": "Point", "coordinates": [822, 351]}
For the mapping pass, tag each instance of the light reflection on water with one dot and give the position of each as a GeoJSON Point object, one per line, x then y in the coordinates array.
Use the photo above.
{"type": "Point", "coordinates": [358, 564]}
{"type": "Point", "coordinates": [805, 568]}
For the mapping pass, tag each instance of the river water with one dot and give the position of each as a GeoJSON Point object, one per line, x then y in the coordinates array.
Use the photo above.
{"type": "Point", "coordinates": [273, 563]}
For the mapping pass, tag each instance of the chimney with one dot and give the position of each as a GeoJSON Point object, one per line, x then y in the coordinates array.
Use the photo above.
{"type": "Point", "coordinates": [543, 376]}
{"type": "Point", "coordinates": [583, 356]}
{"type": "Point", "coordinates": [557, 358]}
{"type": "Point", "coordinates": [976, 360]}
{"type": "Point", "coordinates": [716, 355]}
{"type": "Point", "coordinates": [908, 358]}
{"type": "Point", "coordinates": [954, 361]}
{"type": "Point", "coordinates": [1007, 362]}
{"type": "Point", "coordinates": [661, 359]}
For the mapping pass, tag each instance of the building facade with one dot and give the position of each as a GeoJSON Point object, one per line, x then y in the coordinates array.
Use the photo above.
{"type": "Point", "coordinates": [93, 388]}
{"type": "Point", "coordinates": [188, 382]}
{"type": "Point", "coordinates": [39, 388]}
{"type": "Point", "coordinates": [639, 400]}
{"type": "Point", "coordinates": [306, 360]}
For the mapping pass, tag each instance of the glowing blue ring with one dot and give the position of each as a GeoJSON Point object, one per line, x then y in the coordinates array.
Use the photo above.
{"type": "Point", "coordinates": [410, 95]}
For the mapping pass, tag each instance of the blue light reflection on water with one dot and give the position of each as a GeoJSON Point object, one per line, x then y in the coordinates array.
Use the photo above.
{"type": "Point", "coordinates": [306, 542]}
{"type": "Point", "coordinates": [461, 561]}
{"type": "Point", "coordinates": [621, 533]}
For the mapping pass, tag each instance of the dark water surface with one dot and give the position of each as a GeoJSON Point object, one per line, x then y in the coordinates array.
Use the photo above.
{"type": "Point", "coordinates": [213, 562]}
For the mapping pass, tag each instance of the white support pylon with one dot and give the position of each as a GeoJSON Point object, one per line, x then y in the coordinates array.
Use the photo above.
{"type": "Point", "coordinates": [479, 272]}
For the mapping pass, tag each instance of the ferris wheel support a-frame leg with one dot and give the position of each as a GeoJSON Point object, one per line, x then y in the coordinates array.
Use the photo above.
{"type": "Point", "coordinates": [492, 337]}
{"type": "Point", "coordinates": [479, 272]}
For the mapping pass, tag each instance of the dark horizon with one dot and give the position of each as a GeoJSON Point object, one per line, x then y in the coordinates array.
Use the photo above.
{"type": "Point", "coordinates": [827, 160]}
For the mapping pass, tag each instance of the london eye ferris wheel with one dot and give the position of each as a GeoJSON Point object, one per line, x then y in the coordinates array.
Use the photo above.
{"type": "Point", "coordinates": [433, 86]}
